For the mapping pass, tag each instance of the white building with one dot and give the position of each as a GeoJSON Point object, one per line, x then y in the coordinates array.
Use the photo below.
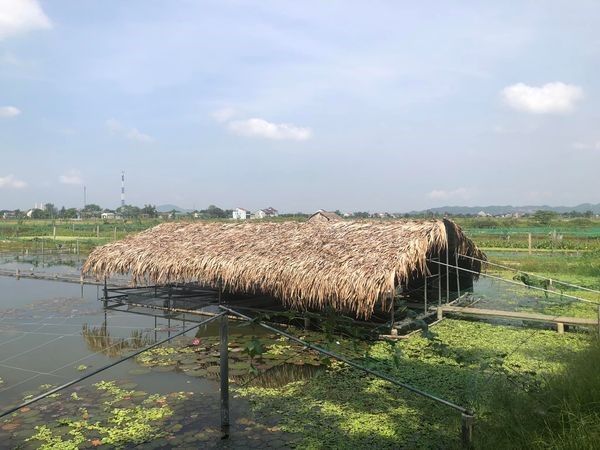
{"type": "Point", "coordinates": [241, 214]}
{"type": "Point", "coordinates": [267, 212]}
{"type": "Point", "coordinates": [110, 216]}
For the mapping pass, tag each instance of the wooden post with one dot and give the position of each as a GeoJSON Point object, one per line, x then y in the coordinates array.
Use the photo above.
{"type": "Point", "coordinates": [54, 232]}
{"type": "Point", "coordinates": [224, 366]}
{"type": "Point", "coordinates": [560, 327]}
{"type": "Point", "coordinates": [529, 242]}
{"type": "Point", "coordinates": [466, 430]}
{"type": "Point", "coordinates": [440, 313]}
{"type": "Point", "coordinates": [115, 234]}
{"type": "Point", "coordinates": [97, 230]}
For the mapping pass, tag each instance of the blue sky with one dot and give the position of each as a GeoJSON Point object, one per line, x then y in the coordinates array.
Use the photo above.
{"type": "Point", "coordinates": [299, 105]}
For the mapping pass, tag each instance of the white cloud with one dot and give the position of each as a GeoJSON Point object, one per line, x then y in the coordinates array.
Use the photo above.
{"type": "Point", "coordinates": [11, 182]}
{"type": "Point", "coordinates": [586, 145]}
{"type": "Point", "coordinates": [224, 114]}
{"type": "Point", "coordinates": [261, 128]}
{"type": "Point", "coordinates": [551, 98]}
{"type": "Point", "coordinates": [460, 193]}
{"type": "Point", "coordinates": [9, 111]}
{"type": "Point", "coordinates": [133, 134]}
{"type": "Point", "coordinates": [21, 16]}
{"type": "Point", "coordinates": [71, 177]}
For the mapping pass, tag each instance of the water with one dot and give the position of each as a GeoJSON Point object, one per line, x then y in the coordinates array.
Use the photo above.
{"type": "Point", "coordinates": [41, 339]}
{"type": "Point", "coordinates": [52, 332]}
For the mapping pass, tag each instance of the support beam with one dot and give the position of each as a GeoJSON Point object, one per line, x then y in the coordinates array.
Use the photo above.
{"type": "Point", "coordinates": [457, 273]}
{"type": "Point", "coordinates": [224, 361]}
{"type": "Point", "coordinates": [425, 293]}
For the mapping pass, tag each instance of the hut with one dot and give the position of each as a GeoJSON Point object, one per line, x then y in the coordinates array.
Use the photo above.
{"type": "Point", "coordinates": [352, 267]}
{"type": "Point", "coordinates": [324, 216]}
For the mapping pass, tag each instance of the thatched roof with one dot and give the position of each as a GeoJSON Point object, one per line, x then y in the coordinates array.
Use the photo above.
{"type": "Point", "coordinates": [349, 266]}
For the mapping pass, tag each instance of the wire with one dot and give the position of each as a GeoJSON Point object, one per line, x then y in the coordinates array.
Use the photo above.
{"type": "Point", "coordinates": [533, 275]}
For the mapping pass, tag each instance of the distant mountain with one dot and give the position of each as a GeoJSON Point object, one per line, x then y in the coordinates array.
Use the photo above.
{"type": "Point", "coordinates": [508, 209]}
{"type": "Point", "coordinates": [169, 208]}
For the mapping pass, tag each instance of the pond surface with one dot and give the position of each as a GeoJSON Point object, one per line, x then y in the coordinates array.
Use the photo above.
{"type": "Point", "coordinates": [52, 332]}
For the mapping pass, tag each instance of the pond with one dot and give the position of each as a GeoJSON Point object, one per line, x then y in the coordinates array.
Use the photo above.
{"type": "Point", "coordinates": [52, 332]}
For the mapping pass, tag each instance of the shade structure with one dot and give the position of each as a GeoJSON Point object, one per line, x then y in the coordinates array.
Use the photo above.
{"type": "Point", "coordinates": [347, 266]}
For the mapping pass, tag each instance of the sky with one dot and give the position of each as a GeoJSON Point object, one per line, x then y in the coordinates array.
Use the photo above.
{"type": "Point", "coordinates": [350, 105]}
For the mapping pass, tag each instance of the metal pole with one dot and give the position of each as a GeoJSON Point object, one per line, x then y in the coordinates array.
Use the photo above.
{"type": "Point", "coordinates": [425, 292]}
{"type": "Point", "coordinates": [447, 274]}
{"type": "Point", "coordinates": [393, 318]}
{"type": "Point", "coordinates": [439, 284]}
{"type": "Point", "coordinates": [105, 293]}
{"type": "Point", "coordinates": [457, 274]}
{"type": "Point", "coordinates": [224, 365]}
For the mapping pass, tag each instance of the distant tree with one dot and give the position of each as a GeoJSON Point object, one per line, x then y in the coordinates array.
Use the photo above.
{"type": "Point", "coordinates": [149, 210]}
{"type": "Point", "coordinates": [544, 217]}
{"type": "Point", "coordinates": [361, 215]}
{"type": "Point", "coordinates": [129, 211]}
{"type": "Point", "coordinates": [213, 212]}
{"type": "Point", "coordinates": [70, 213]}
{"type": "Point", "coordinates": [50, 210]}
{"type": "Point", "coordinates": [38, 214]}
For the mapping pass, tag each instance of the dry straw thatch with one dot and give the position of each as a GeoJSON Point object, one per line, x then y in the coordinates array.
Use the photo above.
{"type": "Point", "coordinates": [349, 266]}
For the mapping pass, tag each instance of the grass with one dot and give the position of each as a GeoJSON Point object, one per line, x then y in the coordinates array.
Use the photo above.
{"type": "Point", "coordinates": [563, 414]}
{"type": "Point", "coordinates": [466, 362]}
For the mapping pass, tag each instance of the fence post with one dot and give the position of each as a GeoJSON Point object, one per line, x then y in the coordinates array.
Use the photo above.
{"type": "Point", "coordinates": [466, 430]}
{"type": "Point", "coordinates": [529, 242]}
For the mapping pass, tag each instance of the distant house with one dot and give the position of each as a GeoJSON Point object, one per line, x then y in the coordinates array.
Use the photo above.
{"type": "Point", "coordinates": [9, 215]}
{"type": "Point", "coordinates": [267, 212]}
{"type": "Point", "coordinates": [483, 214]}
{"type": "Point", "coordinates": [110, 216]}
{"type": "Point", "coordinates": [324, 216]}
{"type": "Point", "coordinates": [241, 214]}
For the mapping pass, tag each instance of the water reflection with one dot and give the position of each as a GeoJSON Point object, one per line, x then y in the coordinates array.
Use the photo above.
{"type": "Point", "coordinates": [283, 374]}
{"type": "Point", "coordinates": [99, 340]}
